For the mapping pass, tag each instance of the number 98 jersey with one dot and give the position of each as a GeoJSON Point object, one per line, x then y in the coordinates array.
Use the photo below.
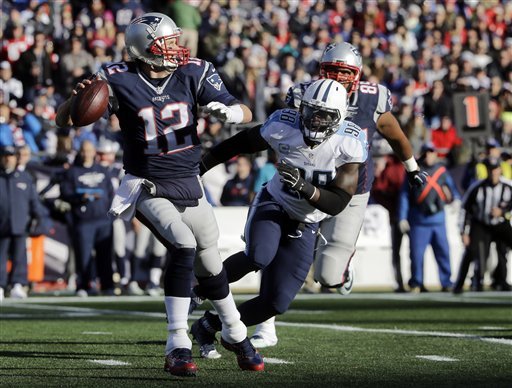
{"type": "Point", "coordinates": [317, 165]}
{"type": "Point", "coordinates": [158, 117]}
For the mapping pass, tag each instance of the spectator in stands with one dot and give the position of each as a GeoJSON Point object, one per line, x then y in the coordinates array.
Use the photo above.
{"type": "Point", "coordinates": [34, 68]}
{"type": "Point", "coordinates": [238, 191]}
{"type": "Point", "coordinates": [12, 88]}
{"type": "Point", "coordinates": [421, 214]}
{"type": "Point", "coordinates": [187, 17]}
{"type": "Point", "coordinates": [266, 172]}
{"type": "Point", "coordinates": [19, 205]}
{"type": "Point", "coordinates": [87, 186]}
{"type": "Point", "coordinates": [437, 104]}
{"type": "Point", "coordinates": [76, 64]}
{"type": "Point", "coordinates": [446, 141]}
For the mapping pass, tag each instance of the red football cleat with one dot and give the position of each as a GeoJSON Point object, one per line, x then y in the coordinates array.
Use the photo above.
{"type": "Point", "coordinates": [179, 363]}
{"type": "Point", "coordinates": [247, 356]}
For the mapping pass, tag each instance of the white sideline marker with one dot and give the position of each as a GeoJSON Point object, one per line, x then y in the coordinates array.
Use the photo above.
{"type": "Point", "coordinates": [491, 328]}
{"type": "Point", "coordinates": [110, 362]}
{"type": "Point", "coordinates": [437, 358]}
{"type": "Point", "coordinates": [97, 333]}
{"type": "Point", "coordinates": [270, 360]}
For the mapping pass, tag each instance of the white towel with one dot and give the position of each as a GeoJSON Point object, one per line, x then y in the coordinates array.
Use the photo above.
{"type": "Point", "coordinates": [123, 204]}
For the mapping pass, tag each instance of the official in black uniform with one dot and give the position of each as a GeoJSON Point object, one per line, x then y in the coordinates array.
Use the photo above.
{"type": "Point", "coordinates": [485, 217]}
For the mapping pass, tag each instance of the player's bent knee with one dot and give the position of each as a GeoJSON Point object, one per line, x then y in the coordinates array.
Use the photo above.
{"type": "Point", "coordinates": [281, 306]}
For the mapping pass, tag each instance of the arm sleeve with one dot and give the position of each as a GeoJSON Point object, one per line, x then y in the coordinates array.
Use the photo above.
{"type": "Point", "coordinates": [244, 142]}
{"type": "Point", "coordinates": [332, 200]}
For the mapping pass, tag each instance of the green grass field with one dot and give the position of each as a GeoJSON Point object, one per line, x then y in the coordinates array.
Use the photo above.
{"type": "Point", "coordinates": [363, 340]}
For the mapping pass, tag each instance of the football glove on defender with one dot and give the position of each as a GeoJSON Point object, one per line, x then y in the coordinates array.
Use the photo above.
{"type": "Point", "coordinates": [417, 178]}
{"type": "Point", "coordinates": [290, 176]}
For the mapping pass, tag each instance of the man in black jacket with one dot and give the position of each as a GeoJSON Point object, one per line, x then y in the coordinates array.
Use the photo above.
{"type": "Point", "coordinates": [19, 205]}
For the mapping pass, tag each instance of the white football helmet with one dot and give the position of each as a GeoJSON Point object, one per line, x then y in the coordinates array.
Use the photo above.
{"type": "Point", "coordinates": [323, 108]}
{"type": "Point", "coordinates": [147, 40]}
{"type": "Point", "coordinates": [337, 59]}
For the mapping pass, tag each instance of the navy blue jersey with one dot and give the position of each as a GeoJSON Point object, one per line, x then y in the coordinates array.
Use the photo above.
{"type": "Point", "coordinates": [158, 117]}
{"type": "Point", "coordinates": [366, 105]}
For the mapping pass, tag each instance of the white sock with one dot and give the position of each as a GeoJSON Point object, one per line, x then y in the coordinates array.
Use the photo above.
{"type": "Point", "coordinates": [154, 276]}
{"type": "Point", "coordinates": [266, 329]}
{"type": "Point", "coordinates": [177, 315]}
{"type": "Point", "coordinates": [233, 329]}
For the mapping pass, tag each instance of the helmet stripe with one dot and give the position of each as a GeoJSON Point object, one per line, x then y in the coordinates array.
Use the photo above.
{"type": "Point", "coordinates": [326, 93]}
{"type": "Point", "coordinates": [317, 91]}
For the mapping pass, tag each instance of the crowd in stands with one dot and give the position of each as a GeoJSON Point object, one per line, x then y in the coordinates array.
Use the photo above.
{"type": "Point", "coordinates": [423, 51]}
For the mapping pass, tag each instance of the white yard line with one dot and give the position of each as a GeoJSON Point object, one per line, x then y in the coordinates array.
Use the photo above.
{"type": "Point", "coordinates": [395, 331]}
{"type": "Point", "coordinates": [438, 358]}
{"type": "Point", "coordinates": [270, 360]}
{"type": "Point", "coordinates": [110, 362]}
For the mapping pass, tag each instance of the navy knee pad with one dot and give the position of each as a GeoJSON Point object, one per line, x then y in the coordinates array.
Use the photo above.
{"type": "Point", "coordinates": [179, 272]}
{"type": "Point", "coordinates": [214, 287]}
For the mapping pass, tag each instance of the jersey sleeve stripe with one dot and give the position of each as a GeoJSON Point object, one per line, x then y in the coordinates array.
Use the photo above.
{"type": "Point", "coordinates": [203, 76]}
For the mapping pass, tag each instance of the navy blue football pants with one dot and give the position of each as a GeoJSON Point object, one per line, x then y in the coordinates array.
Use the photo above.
{"type": "Point", "coordinates": [283, 249]}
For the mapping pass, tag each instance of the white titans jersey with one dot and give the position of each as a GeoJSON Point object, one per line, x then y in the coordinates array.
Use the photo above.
{"type": "Point", "coordinates": [317, 165]}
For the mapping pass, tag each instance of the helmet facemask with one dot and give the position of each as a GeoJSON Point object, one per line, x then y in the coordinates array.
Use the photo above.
{"type": "Point", "coordinates": [332, 70]}
{"type": "Point", "coordinates": [318, 123]}
{"type": "Point", "coordinates": [323, 108]}
{"type": "Point", "coordinates": [170, 57]}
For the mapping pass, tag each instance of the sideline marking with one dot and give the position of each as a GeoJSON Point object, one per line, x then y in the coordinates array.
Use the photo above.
{"type": "Point", "coordinates": [397, 331]}
{"type": "Point", "coordinates": [492, 328]}
{"type": "Point", "coordinates": [437, 358]}
{"type": "Point", "coordinates": [270, 360]}
{"type": "Point", "coordinates": [110, 362]}
{"type": "Point", "coordinates": [97, 332]}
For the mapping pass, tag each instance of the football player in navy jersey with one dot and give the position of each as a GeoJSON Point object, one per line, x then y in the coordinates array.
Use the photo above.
{"type": "Point", "coordinates": [156, 100]}
{"type": "Point", "coordinates": [319, 158]}
{"type": "Point", "coordinates": [370, 108]}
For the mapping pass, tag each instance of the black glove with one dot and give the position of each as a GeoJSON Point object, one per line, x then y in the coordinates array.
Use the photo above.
{"type": "Point", "coordinates": [290, 176]}
{"type": "Point", "coordinates": [417, 178]}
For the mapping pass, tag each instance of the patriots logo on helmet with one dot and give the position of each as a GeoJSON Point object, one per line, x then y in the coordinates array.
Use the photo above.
{"type": "Point", "coordinates": [151, 21]}
{"type": "Point", "coordinates": [329, 47]}
{"type": "Point", "coordinates": [215, 81]}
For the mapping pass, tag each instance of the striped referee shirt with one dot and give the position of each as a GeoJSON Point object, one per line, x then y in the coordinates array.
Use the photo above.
{"type": "Point", "coordinates": [480, 198]}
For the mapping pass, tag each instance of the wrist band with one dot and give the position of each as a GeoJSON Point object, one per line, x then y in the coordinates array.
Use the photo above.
{"type": "Point", "coordinates": [411, 165]}
{"type": "Point", "coordinates": [237, 114]}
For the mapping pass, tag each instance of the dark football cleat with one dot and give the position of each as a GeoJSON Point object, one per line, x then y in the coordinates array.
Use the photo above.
{"type": "Point", "coordinates": [247, 356]}
{"type": "Point", "coordinates": [204, 335]}
{"type": "Point", "coordinates": [179, 363]}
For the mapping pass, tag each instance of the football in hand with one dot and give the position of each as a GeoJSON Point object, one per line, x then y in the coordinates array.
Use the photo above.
{"type": "Point", "coordinates": [90, 103]}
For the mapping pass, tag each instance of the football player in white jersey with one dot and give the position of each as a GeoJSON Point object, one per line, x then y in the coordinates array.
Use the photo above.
{"type": "Point", "coordinates": [319, 155]}
{"type": "Point", "coordinates": [370, 108]}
